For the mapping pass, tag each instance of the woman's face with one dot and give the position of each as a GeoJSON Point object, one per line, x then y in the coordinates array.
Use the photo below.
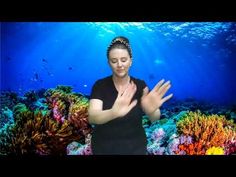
{"type": "Point", "coordinates": [120, 62]}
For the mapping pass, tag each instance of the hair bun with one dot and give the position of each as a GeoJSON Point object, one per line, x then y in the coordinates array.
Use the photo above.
{"type": "Point", "coordinates": [117, 41]}
{"type": "Point", "coordinates": [121, 39]}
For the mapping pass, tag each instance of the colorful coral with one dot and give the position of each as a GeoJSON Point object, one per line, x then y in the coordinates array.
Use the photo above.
{"type": "Point", "coordinates": [67, 105]}
{"type": "Point", "coordinates": [8, 99]}
{"type": "Point", "coordinates": [6, 117]}
{"type": "Point", "coordinates": [206, 131]}
{"type": "Point", "coordinates": [195, 148]}
{"type": "Point", "coordinates": [195, 134]}
{"type": "Point", "coordinates": [215, 151]}
{"type": "Point", "coordinates": [62, 120]}
{"type": "Point", "coordinates": [39, 135]}
{"type": "Point", "coordinates": [58, 124]}
{"type": "Point", "coordinates": [76, 148]}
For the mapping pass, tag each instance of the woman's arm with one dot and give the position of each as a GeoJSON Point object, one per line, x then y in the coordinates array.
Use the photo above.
{"type": "Point", "coordinates": [155, 115]}
{"type": "Point", "coordinates": [97, 115]}
{"type": "Point", "coordinates": [120, 108]}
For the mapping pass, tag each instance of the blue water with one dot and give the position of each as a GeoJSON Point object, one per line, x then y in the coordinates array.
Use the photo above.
{"type": "Point", "coordinates": [197, 57]}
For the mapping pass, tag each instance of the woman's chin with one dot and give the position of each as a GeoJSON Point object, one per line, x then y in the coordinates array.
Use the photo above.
{"type": "Point", "coordinates": [121, 75]}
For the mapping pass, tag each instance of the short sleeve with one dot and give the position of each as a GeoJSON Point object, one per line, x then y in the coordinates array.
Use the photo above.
{"type": "Point", "coordinates": [96, 92]}
{"type": "Point", "coordinates": [143, 84]}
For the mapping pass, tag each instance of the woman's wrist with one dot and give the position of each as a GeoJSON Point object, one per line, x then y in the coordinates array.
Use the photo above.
{"type": "Point", "coordinates": [155, 115]}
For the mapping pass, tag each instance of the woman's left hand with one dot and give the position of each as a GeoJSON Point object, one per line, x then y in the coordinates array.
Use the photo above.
{"type": "Point", "coordinates": [151, 101]}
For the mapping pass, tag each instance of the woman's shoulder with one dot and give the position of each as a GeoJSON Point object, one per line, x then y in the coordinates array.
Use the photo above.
{"type": "Point", "coordinates": [141, 84]}
{"type": "Point", "coordinates": [137, 80]}
{"type": "Point", "coordinates": [104, 80]}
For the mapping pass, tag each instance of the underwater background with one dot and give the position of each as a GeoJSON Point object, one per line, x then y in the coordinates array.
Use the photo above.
{"type": "Point", "coordinates": [49, 68]}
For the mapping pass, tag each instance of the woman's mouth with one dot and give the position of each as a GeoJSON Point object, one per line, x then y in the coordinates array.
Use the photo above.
{"type": "Point", "coordinates": [120, 70]}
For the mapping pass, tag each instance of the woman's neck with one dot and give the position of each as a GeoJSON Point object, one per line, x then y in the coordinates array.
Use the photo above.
{"type": "Point", "coordinates": [121, 81]}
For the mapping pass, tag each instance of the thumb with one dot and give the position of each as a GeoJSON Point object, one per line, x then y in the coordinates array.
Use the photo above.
{"type": "Point", "coordinates": [145, 91]}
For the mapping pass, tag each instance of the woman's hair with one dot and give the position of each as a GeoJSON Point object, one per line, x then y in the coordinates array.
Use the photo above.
{"type": "Point", "coordinates": [119, 42]}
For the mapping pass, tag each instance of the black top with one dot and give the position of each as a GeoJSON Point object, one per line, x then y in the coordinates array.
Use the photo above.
{"type": "Point", "coordinates": [124, 135]}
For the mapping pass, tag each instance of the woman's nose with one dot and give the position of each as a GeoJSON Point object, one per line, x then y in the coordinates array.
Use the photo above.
{"type": "Point", "coordinates": [119, 63]}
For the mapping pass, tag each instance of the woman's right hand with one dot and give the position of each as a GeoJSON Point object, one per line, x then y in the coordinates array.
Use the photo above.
{"type": "Point", "coordinates": [123, 104]}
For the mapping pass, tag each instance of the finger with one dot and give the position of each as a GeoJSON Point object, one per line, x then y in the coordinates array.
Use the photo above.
{"type": "Point", "coordinates": [145, 91]}
{"type": "Point", "coordinates": [164, 91]}
{"type": "Point", "coordinates": [127, 90]}
{"type": "Point", "coordinates": [131, 93]}
{"type": "Point", "coordinates": [119, 94]}
{"type": "Point", "coordinates": [133, 104]}
{"type": "Point", "coordinates": [163, 88]}
{"type": "Point", "coordinates": [157, 86]}
{"type": "Point", "coordinates": [167, 98]}
{"type": "Point", "coordinates": [134, 89]}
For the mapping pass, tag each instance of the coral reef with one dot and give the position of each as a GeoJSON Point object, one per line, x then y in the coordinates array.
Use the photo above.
{"type": "Point", "coordinates": [67, 105]}
{"type": "Point", "coordinates": [8, 99]}
{"type": "Point", "coordinates": [76, 148]}
{"type": "Point", "coordinates": [48, 127]}
{"type": "Point", "coordinates": [206, 131]}
{"type": "Point", "coordinates": [191, 133]}
{"type": "Point", "coordinates": [6, 117]}
{"type": "Point", "coordinates": [215, 151]}
{"type": "Point", "coordinates": [55, 121]}
{"type": "Point", "coordinates": [38, 135]}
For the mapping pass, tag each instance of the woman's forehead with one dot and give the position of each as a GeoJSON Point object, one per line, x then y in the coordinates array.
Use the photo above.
{"type": "Point", "coordinates": [119, 51]}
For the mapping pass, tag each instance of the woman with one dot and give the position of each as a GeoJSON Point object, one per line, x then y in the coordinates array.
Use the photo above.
{"type": "Point", "coordinates": [118, 102]}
